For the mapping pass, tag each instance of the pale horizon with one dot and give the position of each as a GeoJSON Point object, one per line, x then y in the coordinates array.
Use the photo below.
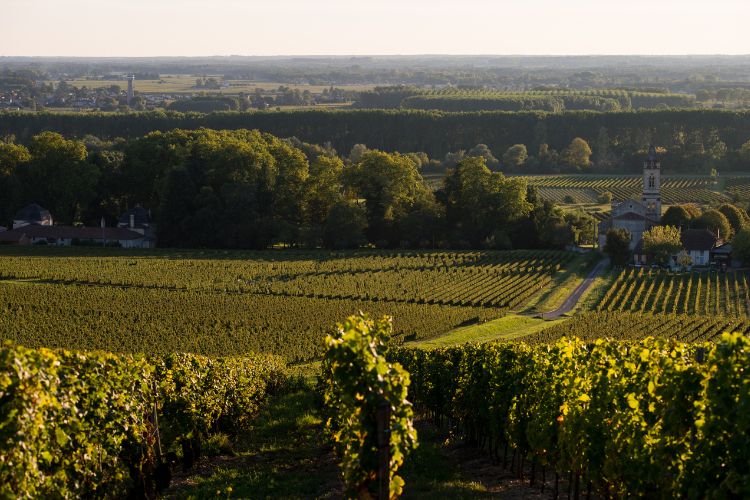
{"type": "Point", "coordinates": [198, 28]}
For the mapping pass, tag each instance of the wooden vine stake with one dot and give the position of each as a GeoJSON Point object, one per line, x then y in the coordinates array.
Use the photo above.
{"type": "Point", "coordinates": [383, 419]}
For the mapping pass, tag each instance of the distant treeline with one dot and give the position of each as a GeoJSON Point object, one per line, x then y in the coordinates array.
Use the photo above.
{"type": "Point", "coordinates": [553, 100]}
{"type": "Point", "coordinates": [694, 140]}
{"type": "Point", "coordinates": [206, 104]}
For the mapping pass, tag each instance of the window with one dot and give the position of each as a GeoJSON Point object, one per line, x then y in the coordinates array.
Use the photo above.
{"type": "Point", "coordinates": [652, 181]}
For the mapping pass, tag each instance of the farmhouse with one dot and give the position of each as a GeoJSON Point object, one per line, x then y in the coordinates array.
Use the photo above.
{"type": "Point", "coordinates": [637, 216]}
{"type": "Point", "coordinates": [33, 226]}
{"type": "Point", "coordinates": [699, 243]}
{"type": "Point", "coordinates": [137, 219]}
{"type": "Point", "coordinates": [32, 215]}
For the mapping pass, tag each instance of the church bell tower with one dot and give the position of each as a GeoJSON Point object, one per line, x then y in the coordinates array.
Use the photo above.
{"type": "Point", "coordinates": [652, 185]}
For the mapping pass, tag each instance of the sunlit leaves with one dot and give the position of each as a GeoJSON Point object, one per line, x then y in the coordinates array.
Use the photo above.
{"type": "Point", "coordinates": [358, 381]}
{"type": "Point", "coordinates": [653, 418]}
{"type": "Point", "coordinates": [76, 424]}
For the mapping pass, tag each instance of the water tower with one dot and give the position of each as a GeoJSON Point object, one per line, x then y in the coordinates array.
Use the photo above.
{"type": "Point", "coordinates": [131, 78]}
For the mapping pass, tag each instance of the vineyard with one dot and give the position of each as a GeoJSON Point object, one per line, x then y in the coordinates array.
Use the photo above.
{"type": "Point", "coordinates": [701, 293]}
{"type": "Point", "coordinates": [96, 425]}
{"type": "Point", "coordinates": [738, 188]}
{"type": "Point", "coordinates": [586, 189]}
{"type": "Point", "coordinates": [635, 326]}
{"type": "Point", "coordinates": [655, 418]}
{"type": "Point", "coordinates": [450, 99]}
{"type": "Point", "coordinates": [219, 303]}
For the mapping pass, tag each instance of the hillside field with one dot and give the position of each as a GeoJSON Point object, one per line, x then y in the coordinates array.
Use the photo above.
{"type": "Point", "coordinates": [675, 188]}
{"type": "Point", "coordinates": [282, 302]}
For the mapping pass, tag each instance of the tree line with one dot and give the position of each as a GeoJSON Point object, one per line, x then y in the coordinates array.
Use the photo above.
{"type": "Point", "coordinates": [693, 140]}
{"type": "Point", "coordinates": [485, 99]}
{"type": "Point", "coordinates": [248, 189]}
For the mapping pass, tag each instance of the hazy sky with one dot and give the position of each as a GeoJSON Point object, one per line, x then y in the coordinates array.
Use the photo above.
{"type": "Point", "coordinates": [279, 27]}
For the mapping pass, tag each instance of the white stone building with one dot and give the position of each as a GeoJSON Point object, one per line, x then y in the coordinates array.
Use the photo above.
{"type": "Point", "coordinates": [633, 215]}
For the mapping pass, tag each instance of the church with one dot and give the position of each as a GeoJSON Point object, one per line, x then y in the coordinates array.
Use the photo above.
{"type": "Point", "coordinates": [637, 216]}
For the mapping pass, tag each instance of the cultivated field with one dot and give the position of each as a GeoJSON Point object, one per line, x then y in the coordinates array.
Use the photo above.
{"type": "Point", "coordinates": [222, 303]}
{"type": "Point", "coordinates": [186, 84]}
{"type": "Point", "coordinates": [586, 188]}
{"type": "Point", "coordinates": [634, 326]}
{"type": "Point", "coordinates": [701, 293]}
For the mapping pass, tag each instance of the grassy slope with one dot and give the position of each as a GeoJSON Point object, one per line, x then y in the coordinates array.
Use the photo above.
{"type": "Point", "coordinates": [563, 285]}
{"type": "Point", "coordinates": [591, 298]}
{"type": "Point", "coordinates": [506, 328]}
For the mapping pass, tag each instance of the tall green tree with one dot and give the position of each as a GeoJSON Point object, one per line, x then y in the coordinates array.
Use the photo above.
{"type": "Point", "coordinates": [661, 242]}
{"type": "Point", "coordinates": [12, 157]}
{"type": "Point", "coordinates": [713, 220]}
{"type": "Point", "coordinates": [323, 188]}
{"type": "Point", "coordinates": [601, 147]}
{"type": "Point", "coordinates": [515, 156]}
{"type": "Point", "coordinates": [479, 201]}
{"type": "Point", "coordinates": [677, 216]}
{"type": "Point", "coordinates": [390, 184]}
{"type": "Point", "coordinates": [176, 206]}
{"type": "Point", "coordinates": [485, 152]}
{"type": "Point", "coordinates": [744, 152]}
{"type": "Point", "coordinates": [59, 177]}
{"type": "Point", "coordinates": [736, 216]}
{"type": "Point", "coordinates": [345, 226]}
{"type": "Point", "coordinates": [617, 246]}
{"type": "Point", "coordinates": [577, 154]}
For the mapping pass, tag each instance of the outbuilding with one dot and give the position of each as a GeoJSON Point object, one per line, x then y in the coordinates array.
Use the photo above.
{"type": "Point", "coordinates": [699, 243]}
{"type": "Point", "coordinates": [32, 215]}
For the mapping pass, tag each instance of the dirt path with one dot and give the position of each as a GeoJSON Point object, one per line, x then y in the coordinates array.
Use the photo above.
{"type": "Point", "coordinates": [572, 299]}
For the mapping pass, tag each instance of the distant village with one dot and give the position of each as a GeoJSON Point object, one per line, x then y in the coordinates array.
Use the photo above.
{"type": "Point", "coordinates": [34, 225]}
{"type": "Point", "coordinates": [18, 94]}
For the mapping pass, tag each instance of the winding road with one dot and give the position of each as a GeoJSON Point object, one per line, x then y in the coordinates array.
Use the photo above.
{"type": "Point", "coordinates": [572, 299]}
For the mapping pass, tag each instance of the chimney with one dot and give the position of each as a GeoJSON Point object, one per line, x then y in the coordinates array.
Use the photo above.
{"type": "Point", "coordinates": [132, 221]}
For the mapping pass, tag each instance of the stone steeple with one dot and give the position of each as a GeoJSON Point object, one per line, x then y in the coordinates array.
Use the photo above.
{"type": "Point", "coordinates": [652, 185]}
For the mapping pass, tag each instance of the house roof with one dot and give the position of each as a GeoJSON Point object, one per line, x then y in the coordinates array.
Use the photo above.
{"type": "Point", "coordinates": [140, 214]}
{"type": "Point", "coordinates": [70, 232]}
{"type": "Point", "coordinates": [33, 213]}
{"type": "Point", "coordinates": [630, 216]}
{"type": "Point", "coordinates": [725, 249]}
{"type": "Point", "coordinates": [698, 240]}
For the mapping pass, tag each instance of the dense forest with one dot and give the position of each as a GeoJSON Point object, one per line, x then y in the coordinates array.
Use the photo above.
{"type": "Point", "coordinates": [693, 141]}
{"type": "Point", "coordinates": [247, 189]}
